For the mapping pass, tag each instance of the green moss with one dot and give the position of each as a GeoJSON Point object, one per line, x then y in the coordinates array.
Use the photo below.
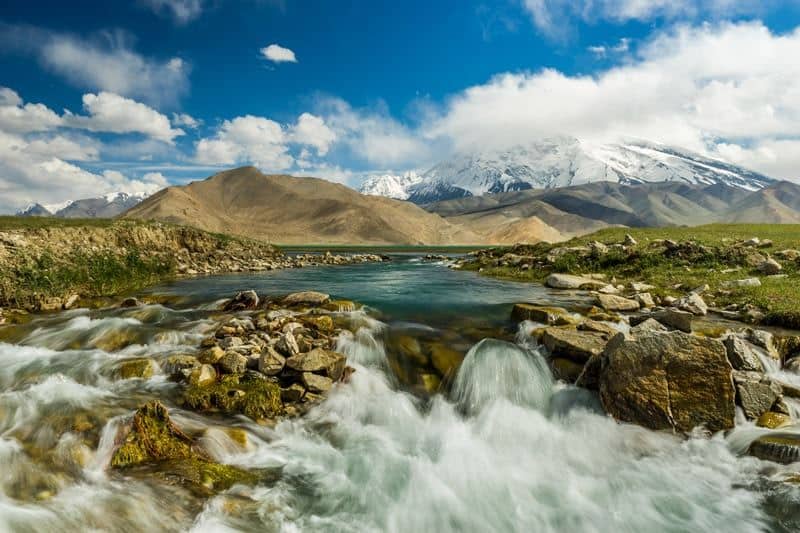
{"type": "Point", "coordinates": [136, 368]}
{"type": "Point", "coordinates": [256, 398]}
{"type": "Point", "coordinates": [204, 477]}
{"type": "Point", "coordinates": [713, 259]}
{"type": "Point", "coordinates": [153, 437]}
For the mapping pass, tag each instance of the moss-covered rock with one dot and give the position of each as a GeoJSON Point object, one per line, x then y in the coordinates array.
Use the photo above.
{"type": "Point", "coordinates": [320, 322]}
{"type": "Point", "coordinates": [153, 437]}
{"type": "Point", "coordinates": [258, 399]}
{"type": "Point", "coordinates": [142, 367]}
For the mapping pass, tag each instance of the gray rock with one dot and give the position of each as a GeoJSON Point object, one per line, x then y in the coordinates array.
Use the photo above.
{"type": "Point", "coordinates": [770, 267]}
{"type": "Point", "coordinates": [233, 363]}
{"type": "Point", "coordinates": [755, 393]}
{"type": "Point", "coordinates": [287, 344]}
{"type": "Point", "coordinates": [650, 324]}
{"type": "Point", "coordinates": [645, 300]}
{"type": "Point", "coordinates": [568, 281]}
{"type": "Point", "coordinates": [629, 240]}
{"type": "Point", "coordinates": [318, 360]}
{"type": "Point", "coordinates": [741, 355]}
{"type": "Point", "coordinates": [693, 303]}
{"type": "Point", "coordinates": [292, 393]}
{"type": "Point", "coordinates": [739, 283]}
{"type": "Point", "coordinates": [271, 362]}
{"type": "Point", "coordinates": [179, 366]}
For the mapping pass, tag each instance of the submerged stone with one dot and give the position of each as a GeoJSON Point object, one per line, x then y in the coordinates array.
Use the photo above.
{"type": "Point", "coordinates": [777, 447]}
{"type": "Point", "coordinates": [143, 368]}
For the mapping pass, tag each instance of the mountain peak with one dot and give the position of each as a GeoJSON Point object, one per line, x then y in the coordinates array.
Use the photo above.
{"type": "Point", "coordinates": [561, 161]}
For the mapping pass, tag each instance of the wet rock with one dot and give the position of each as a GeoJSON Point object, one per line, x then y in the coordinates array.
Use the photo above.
{"type": "Point", "coordinates": [610, 302]}
{"type": "Point", "coordinates": [212, 355]}
{"type": "Point", "coordinates": [293, 393]}
{"type": "Point", "coordinates": [153, 437]}
{"type": "Point", "coordinates": [180, 366]}
{"type": "Point", "coordinates": [445, 359]}
{"type": "Point", "coordinates": [233, 363]}
{"type": "Point", "coordinates": [243, 301]}
{"type": "Point", "coordinates": [772, 420]}
{"type": "Point", "coordinates": [271, 363]}
{"type": "Point", "coordinates": [551, 316]}
{"type": "Point", "coordinates": [409, 348]}
{"type": "Point", "coordinates": [430, 382]}
{"type": "Point", "coordinates": [755, 393]}
{"type": "Point", "coordinates": [741, 355]}
{"type": "Point", "coordinates": [567, 281]}
{"type": "Point", "coordinates": [341, 306]}
{"type": "Point", "coordinates": [142, 367]}
{"type": "Point", "coordinates": [307, 298]}
{"type": "Point", "coordinates": [569, 343]}
{"type": "Point", "coordinates": [318, 360]}
{"type": "Point", "coordinates": [130, 302]}
{"type": "Point", "coordinates": [770, 267]}
{"type": "Point", "coordinates": [668, 380]}
{"type": "Point", "coordinates": [203, 375]}
{"type": "Point", "coordinates": [692, 303]}
{"type": "Point", "coordinates": [316, 383]}
{"type": "Point", "coordinates": [566, 369]}
{"type": "Point", "coordinates": [763, 339]}
{"type": "Point", "coordinates": [320, 322]}
{"type": "Point", "coordinates": [258, 399]}
{"type": "Point", "coordinates": [777, 447]}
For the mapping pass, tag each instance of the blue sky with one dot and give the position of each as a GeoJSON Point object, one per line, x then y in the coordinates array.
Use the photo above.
{"type": "Point", "coordinates": [102, 96]}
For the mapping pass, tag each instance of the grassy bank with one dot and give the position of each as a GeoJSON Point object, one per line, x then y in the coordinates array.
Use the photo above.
{"type": "Point", "coordinates": [715, 255]}
{"type": "Point", "coordinates": [46, 261]}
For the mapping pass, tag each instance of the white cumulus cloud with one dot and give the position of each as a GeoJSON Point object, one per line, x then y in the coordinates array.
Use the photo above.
{"type": "Point", "coordinates": [247, 139]}
{"type": "Point", "coordinates": [111, 112]}
{"type": "Point", "coordinates": [311, 130]}
{"type": "Point", "coordinates": [278, 54]}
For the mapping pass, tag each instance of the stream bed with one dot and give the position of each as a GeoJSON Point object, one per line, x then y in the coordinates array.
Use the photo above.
{"type": "Point", "coordinates": [501, 447]}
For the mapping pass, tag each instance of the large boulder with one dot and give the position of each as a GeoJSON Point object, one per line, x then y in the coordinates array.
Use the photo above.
{"type": "Point", "coordinates": [569, 343]}
{"type": "Point", "coordinates": [669, 380]}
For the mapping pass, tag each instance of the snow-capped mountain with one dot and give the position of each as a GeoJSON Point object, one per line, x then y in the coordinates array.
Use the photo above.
{"type": "Point", "coordinates": [564, 161]}
{"type": "Point", "coordinates": [107, 206]}
{"type": "Point", "coordinates": [390, 185]}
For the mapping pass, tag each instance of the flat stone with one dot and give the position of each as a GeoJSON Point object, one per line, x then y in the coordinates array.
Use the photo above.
{"type": "Point", "coordinates": [641, 287]}
{"type": "Point", "coordinates": [568, 281]}
{"type": "Point", "coordinates": [317, 383]}
{"type": "Point", "coordinates": [772, 420]}
{"type": "Point", "coordinates": [541, 314]}
{"type": "Point", "coordinates": [748, 282]}
{"type": "Point", "coordinates": [569, 343]}
{"type": "Point", "coordinates": [672, 318]}
{"type": "Point", "coordinates": [650, 324]}
{"type": "Point", "coordinates": [645, 300]}
{"type": "Point", "coordinates": [609, 302]}
{"type": "Point", "coordinates": [203, 376]}
{"type": "Point", "coordinates": [307, 297]}
{"type": "Point", "coordinates": [318, 360]}
{"type": "Point", "coordinates": [598, 327]}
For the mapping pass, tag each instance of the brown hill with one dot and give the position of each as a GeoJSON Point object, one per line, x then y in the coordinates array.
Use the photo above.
{"type": "Point", "coordinates": [291, 210]}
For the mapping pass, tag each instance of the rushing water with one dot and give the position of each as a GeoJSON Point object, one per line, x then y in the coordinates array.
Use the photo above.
{"type": "Point", "coordinates": [505, 449]}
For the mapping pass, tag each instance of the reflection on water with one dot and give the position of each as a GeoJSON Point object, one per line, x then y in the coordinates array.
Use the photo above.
{"type": "Point", "coordinates": [500, 447]}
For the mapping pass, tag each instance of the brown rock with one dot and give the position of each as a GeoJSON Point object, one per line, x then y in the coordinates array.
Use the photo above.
{"type": "Point", "coordinates": [669, 381]}
{"type": "Point", "coordinates": [319, 360]}
{"type": "Point", "coordinates": [307, 297]}
{"type": "Point", "coordinates": [316, 383]}
{"type": "Point", "coordinates": [271, 362]}
{"type": "Point", "coordinates": [569, 343]}
{"type": "Point", "coordinates": [609, 302]}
